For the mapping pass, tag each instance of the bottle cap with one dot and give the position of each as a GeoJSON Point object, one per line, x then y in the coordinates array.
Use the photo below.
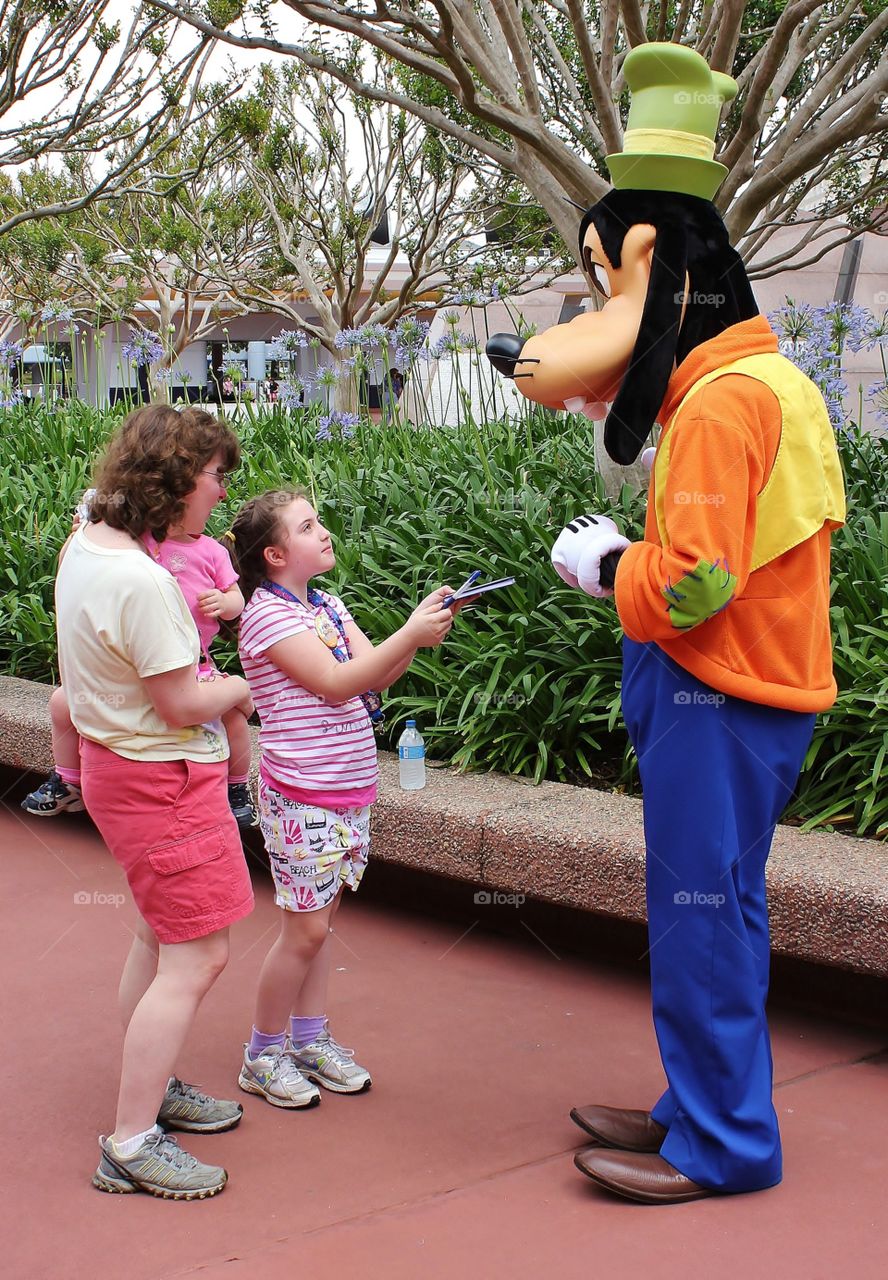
{"type": "Point", "coordinates": [411, 724]}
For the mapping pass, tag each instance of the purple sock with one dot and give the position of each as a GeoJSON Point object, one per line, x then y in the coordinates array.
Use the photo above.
{"type": "Point", "coordinates": [259, 1042]}
{"type": "Point", "coordinates": [305, 1031]}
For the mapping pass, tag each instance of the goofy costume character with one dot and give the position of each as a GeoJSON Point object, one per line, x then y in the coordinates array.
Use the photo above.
{"type": "Point", "coordinates": [724, 608]}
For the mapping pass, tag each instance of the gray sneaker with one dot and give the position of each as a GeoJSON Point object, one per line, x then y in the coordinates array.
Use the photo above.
{"type": "Point", "coordinates": [185, 1107]}
{"type": "Point", "coordinates": [161, 1168]}
{"type": "Point", "coordinates": [276, 1077]}
{"type": "Point", "coordinates": [331, 1065]}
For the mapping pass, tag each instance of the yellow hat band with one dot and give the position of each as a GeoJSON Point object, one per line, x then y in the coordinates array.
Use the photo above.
{"type": "Point", "coordinates": [667, 142]}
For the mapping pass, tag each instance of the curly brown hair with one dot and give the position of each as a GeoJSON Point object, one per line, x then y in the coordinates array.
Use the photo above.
{"type": "Point", "coordinates": [256, 526]}
{"type": "Point", "coordinates": [152, 463]}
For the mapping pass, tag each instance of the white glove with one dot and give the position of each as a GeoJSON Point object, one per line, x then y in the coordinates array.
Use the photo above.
{"type": "Point", "coordinates": [579, 549]}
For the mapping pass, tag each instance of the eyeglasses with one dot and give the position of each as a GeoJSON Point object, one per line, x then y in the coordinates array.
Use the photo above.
{"type": "Point", "coordinates": [221, 477]}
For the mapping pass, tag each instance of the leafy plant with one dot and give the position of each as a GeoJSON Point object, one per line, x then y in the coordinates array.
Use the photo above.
{"type": "Point", "coordinates": [528, 683]}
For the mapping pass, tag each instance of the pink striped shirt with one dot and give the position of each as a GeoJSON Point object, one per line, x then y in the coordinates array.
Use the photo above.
{"type": "Point", "coordinates": [306, 744]}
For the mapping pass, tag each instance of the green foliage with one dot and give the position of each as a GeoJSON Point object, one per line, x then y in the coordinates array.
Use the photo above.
{"type": "Point", "coordinates": [845, 782]}
{"type": "Point", "coordinates": [528, 683]}
{"type": "Point", "coordinates": [222, 13]}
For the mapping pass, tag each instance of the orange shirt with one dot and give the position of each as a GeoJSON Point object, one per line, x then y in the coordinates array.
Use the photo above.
{"type": "Point", "coordinates": [771, 642]}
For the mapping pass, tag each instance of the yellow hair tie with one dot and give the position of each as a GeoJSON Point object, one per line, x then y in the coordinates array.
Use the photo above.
{"type": "Point", "coordinates": [228, 536]}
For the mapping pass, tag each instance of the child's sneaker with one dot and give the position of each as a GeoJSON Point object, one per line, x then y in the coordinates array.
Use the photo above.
{"type": "Point", "coordinates": [276, 1077]}
{"type": "Point", "coordinates": [161, 1168]}
{"type": "Point", "coordinates": [331, 1065]}
{"type": "Point", "coordinates": [185, 1107]}
{"type": "Point", "coordinates": [53, 797]}
{"type": "Point", "coordinates": [241, 804]}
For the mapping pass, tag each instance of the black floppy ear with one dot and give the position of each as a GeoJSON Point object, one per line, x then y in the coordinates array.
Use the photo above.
{"type": "Point", "coordinates": [644, 384]}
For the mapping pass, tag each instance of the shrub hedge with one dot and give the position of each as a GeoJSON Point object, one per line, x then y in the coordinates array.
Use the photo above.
{"type": "Point", "coordinates": [529, 682]}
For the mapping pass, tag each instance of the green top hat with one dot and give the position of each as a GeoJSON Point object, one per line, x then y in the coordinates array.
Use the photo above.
{"type": "Point", "coordinates": [670, 134]}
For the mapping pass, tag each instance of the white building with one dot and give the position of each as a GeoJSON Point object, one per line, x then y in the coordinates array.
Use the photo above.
{"type": "Point", "coordinates": [855, 272]}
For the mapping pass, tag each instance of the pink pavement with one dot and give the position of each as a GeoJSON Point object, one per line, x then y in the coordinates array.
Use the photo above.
{"type": "Point", "coordinates": [458, 1163]}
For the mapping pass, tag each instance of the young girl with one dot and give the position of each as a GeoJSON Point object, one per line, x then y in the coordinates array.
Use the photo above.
{"type": "Point", "coordinates": [203, 570]}
{"type": "Point", "coordinates": [308, 665]}
{"type": "Point", "coordinates": [154, 777]}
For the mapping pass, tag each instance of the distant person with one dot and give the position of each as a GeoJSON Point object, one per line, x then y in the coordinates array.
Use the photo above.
{"type": "Point", "coordinates": [392, 390]}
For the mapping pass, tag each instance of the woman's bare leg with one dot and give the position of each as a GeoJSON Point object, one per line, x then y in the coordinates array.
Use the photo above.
{"type": "Point", "coordinates": [159, 1025]}
{"type": "Point", "coordinates": [139, 971]}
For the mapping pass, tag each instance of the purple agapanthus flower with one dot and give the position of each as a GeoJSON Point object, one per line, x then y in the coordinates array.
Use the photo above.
{"type": "Point", "coordinates": [409, 337]}
{"type": "Point", "coordinates": [58, 312]}
{"type": "Point", "coordinates": [143, 348]}
{"type": "Point", "coordinates": [337, 423]}
{"type": "Point", "coordinates": [878, 398]}
{"type": "Point", "coordinates": [471, 298]}
{"type": "Point", "coordinates": [291, 392]}
{"type": "Point", "coordinates": [347, 338]}
{"type": "Point", "coordinates": [10, 353]}
{"type": "Point", "coordinates": [814, 338]}
{"type": "Point", "coordinates": [287, 344]}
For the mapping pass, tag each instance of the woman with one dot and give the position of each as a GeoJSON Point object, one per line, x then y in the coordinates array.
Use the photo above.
{"type": "Point", "coordinates": [154, 776]}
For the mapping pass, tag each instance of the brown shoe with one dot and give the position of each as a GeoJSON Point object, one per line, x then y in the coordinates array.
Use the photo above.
{"type": "Point", "coordinates": [625, 1130]}
{"type": "Point", "coordinates": [639, 1176]}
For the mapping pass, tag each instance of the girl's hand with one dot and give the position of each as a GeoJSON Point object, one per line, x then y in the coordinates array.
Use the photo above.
{"type": "Point", "coordinates": [440, 595]}
{"type": "Point", "coordinates": [211, 603]}
{"type": "Point", "coordinates": [428, 624]}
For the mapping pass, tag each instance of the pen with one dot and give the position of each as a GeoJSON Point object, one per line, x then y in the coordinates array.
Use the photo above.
{"type": "Point", "coordinates": [448, 600]}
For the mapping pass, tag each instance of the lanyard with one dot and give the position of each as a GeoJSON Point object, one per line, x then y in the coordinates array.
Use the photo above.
{"type": "Point", "coordinates": [341, 651]}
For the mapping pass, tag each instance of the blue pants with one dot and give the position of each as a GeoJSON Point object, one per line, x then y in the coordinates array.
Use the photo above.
{"type": "Point", "coordinates": [716, 773]}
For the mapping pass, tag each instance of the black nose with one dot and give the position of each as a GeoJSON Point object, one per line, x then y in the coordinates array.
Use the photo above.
{"type": "Point", "coordinates": [502, 350]}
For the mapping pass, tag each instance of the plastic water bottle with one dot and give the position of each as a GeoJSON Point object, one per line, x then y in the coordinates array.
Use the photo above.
{"type": "Point", "coordinates": [411, 758]}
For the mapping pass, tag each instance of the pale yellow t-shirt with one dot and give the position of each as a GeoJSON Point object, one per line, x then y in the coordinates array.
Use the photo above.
{"type": "Point", "coordinates": [121, 617]}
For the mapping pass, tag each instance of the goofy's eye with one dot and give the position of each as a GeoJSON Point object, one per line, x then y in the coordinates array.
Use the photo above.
{"type": "Point", "coordinates": [597, 274]}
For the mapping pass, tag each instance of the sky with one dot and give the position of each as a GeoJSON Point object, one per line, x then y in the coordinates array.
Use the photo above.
{"type": "Point", "coordinates": [44, 101]}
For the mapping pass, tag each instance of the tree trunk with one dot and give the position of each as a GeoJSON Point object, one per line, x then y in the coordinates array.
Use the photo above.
{"type": "Point", "coordinates": [614, 476]}
{"type": "Point", "coordinates": [344, 396]}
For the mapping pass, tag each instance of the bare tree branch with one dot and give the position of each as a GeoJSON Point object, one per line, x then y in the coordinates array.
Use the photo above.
{"type": "Point", "coordinates": [534, 85]}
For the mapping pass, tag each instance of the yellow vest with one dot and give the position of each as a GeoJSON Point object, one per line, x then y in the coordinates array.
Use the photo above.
{"type": "Point", "coordinates": [805, 488]}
